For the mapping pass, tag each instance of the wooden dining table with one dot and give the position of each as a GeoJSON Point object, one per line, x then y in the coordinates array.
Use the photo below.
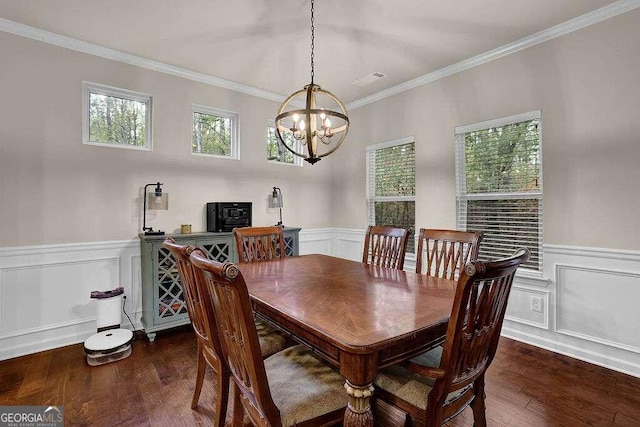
{"type": "Point", "coordinates": [358, 317]}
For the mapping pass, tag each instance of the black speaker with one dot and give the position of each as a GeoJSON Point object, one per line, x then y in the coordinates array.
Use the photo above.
{"type": "Point", "coordinates": [225, 216]}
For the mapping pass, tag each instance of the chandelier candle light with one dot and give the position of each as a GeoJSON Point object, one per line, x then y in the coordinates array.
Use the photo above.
{"type": "Point", "coordinates": [319, 128]}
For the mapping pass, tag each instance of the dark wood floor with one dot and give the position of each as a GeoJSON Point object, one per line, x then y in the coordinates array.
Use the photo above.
{"type": "Point", "coordinates": [526, 386]}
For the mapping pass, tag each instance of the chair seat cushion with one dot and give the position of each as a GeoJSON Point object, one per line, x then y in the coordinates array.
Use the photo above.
{"type": "Point", "coordinates": [302, 386]}
{"type": "Point", "coordinates": [407, 385]}
{"type": "Point", "coordinates": [271, 339]}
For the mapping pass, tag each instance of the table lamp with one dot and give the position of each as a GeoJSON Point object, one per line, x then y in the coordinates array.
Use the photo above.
{"type": "Point", "coordinates": [275, 201]}
{"type": "Point", "coordinates": [157, 200]}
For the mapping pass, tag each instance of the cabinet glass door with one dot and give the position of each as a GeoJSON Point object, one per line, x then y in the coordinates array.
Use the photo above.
{"type": "Point", "coordinates": [170, 297]}
{"type": "Point", "coordinates": [220, 250]}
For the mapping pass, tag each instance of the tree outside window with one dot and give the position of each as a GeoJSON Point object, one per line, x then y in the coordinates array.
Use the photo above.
{"type": "Point", "coordinates": [276, 152]}
{"type": "Point", "coordinates": [499, 183]}
{"type": "Point", "coordinates": [214, 132]}
{"type": "Point", "coordinates": [391, 185]}
{"type": "Point", "coordinates": [116, 117]}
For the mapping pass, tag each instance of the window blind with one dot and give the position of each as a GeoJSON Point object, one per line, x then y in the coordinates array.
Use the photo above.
{"type": "Point", "coordinates": [391, 185]}
{"type": "Point", "coordinates": [499, 185]}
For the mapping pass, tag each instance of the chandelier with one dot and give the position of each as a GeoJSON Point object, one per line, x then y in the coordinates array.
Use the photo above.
{"type": "Point", "coordinates": [317, 129]}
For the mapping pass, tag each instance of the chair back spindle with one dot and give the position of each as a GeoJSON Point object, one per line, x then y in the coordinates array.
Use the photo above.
{"type": "Point", "coordinates": [256, 244]}
{"type": "Point", "coordinates": [385, 246]}
{"type": "Point", "coordinates": [443, 253]}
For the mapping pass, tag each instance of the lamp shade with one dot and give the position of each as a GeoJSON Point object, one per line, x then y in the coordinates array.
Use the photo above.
{"type": "Point", "coordinates": [158, 202]}
{"type": "Point", "coordinates": [275, 201]}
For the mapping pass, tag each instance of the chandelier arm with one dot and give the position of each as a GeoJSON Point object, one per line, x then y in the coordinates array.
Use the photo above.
{"type": "Point", "coordinates": [333, 149]}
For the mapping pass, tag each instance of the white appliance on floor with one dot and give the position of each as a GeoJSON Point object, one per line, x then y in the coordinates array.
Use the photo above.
{"type": "Point", "coordinates": [112, 342]}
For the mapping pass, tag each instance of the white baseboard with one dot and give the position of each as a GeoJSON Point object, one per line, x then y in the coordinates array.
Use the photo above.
{"type": "Point", "coordinates": [589, 296]}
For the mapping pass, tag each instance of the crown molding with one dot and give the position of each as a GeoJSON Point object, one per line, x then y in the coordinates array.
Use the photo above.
{"type": "Point", "coordinates": [580, 22]}
{"type": "Point", "coordinates": [614, 9]}
{"type": "Point", "coordinates": [138, 61]}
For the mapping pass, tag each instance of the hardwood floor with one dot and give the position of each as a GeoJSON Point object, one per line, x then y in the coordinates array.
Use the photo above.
{"type": "Point", "coordinates": [526, 386]}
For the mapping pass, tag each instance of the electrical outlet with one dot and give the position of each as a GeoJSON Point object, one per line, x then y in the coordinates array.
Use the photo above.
{"type": "Point", "coordinates": [536, 304]}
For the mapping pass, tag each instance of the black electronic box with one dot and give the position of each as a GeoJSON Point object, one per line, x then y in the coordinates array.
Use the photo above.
{"type": "Point", "coordinates": [225, 216]}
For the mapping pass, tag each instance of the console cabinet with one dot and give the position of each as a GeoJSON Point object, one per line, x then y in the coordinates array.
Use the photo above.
{"type": "Point", "coordinates": [163, 303]}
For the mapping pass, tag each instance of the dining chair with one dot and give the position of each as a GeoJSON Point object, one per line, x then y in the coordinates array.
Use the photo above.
{"type": "Point", "coordinates": [438, 385]}
{"type": "Point", "coordinates": [203, 319]}
{"type": "Point", "coordinates": [443, 253]}
{"type": "Point", "coordinates": [255, 244]}
{"type": "Point", "coordinates": [385, 246]}
{"type": "Point", "coordinates": [291, 387]}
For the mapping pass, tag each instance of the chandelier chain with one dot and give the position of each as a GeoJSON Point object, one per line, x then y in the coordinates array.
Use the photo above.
{"type": "Point", "coordinates": [312, 41]}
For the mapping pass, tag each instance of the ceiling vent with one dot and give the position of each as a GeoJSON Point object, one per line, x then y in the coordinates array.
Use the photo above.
{"type": "Point", "coordinates": [369, 78]}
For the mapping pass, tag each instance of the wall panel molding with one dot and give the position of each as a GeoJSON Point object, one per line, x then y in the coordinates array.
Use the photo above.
{"type": "Point", "coordinates": [518, 310]}
{"type": "Point", "coordinates": [618, 287]}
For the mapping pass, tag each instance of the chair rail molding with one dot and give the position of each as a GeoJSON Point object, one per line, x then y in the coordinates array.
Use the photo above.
{"type": "Point", "coordinates": [582, 306]}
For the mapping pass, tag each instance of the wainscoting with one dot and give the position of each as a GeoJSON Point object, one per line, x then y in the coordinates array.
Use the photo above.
{"type": "Point", "coordinates": [584, 306]}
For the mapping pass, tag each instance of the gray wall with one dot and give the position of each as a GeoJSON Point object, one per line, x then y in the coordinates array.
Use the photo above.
{"type": "Point", "coordinates": [54, 189]}
{"type": "Point", "coordinates": [586, 85]}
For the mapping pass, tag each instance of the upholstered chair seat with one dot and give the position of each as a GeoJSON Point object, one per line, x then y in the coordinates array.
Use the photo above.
{"type": "Point", "coordinates": [303, 387]}
{"type": "Point", "coordinates": [272, 340]}
{"type": "Point", "coordinates": [407, 385]}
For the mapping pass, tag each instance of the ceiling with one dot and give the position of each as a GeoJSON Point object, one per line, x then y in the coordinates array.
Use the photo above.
{"type": "Point", "coordinates": [266, 44]}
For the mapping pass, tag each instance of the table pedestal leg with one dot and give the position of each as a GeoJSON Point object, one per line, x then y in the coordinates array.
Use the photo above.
{"type": "Point", "coordinates": [358, 411]}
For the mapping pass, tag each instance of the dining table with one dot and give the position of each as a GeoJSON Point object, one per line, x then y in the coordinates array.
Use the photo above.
{"type": "Point", "coordinates": [358, 317]}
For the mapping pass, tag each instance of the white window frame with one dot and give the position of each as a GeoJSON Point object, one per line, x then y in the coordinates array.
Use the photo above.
{"type": "Point", "coordinates": [234, 153]}
{"type": "Point", "coordinates": [297, 160]}
{"type": "Point", "coordinates": [371, 185]}
{"type": "Point", "coordinates": [89, 87]}
{"type": "Point", "coordinates": [462, 196]}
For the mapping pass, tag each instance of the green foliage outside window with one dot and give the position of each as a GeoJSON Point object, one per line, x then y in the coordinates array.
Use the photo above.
{"type": "Point", "coordinates": [211, 134]}
{"type": "Point", "coordinates": [114, 120]}
{"type": "Point", "coordinates": [395, 171]}
{"type": "Point", "coordinates": [503, 194]}
{"type": "Point", "coordinates": [503, 159]}
{"type": "Point", "coordinates": [395, 176]}
{"type": "Point", "coordinates": [275, 151]}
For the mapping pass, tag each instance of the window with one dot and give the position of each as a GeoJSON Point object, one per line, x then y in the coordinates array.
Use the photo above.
{"type": "Point", "coordinates": [499, 185]}
{"type": "Point", "coordinates": [215, 133]}
{"type": "Point", "coordinates": [276, 152]}
{"type": "Point", "coordinates": [115, 117]}
{"type": "Point", "coordinates": [391, 185]}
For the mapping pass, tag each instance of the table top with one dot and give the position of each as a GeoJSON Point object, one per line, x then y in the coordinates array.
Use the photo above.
{"type": "Point", "coordinates": [355, 306]}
